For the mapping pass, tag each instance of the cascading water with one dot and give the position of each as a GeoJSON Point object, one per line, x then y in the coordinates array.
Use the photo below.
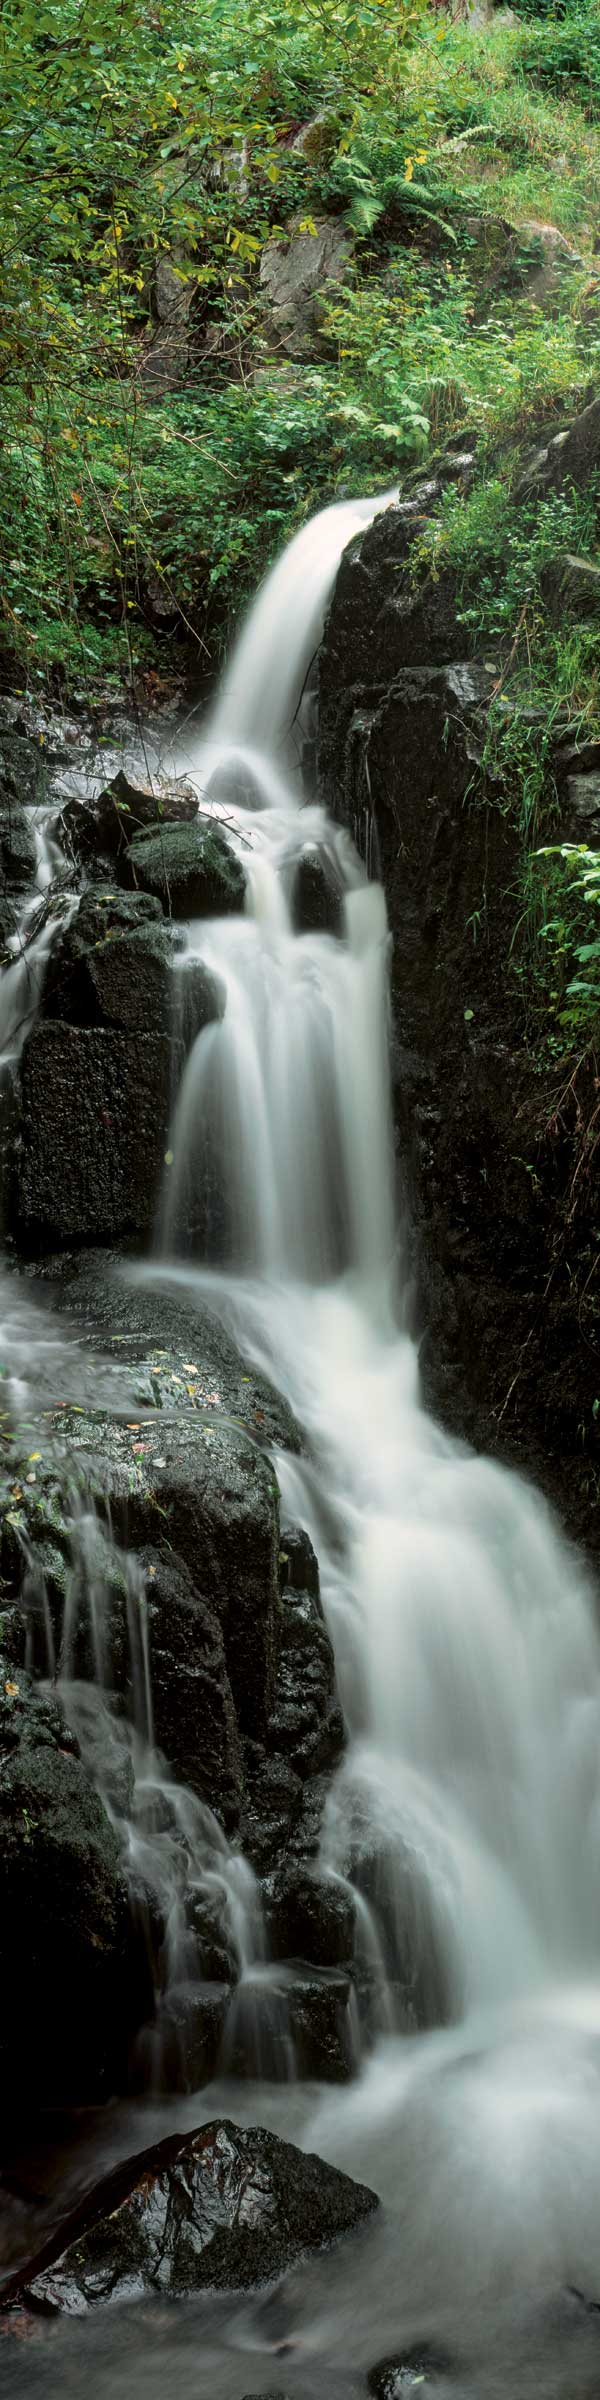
{"type": "Point", "coordinates": [466, 1814]}
{"type": "Point", "coordinates": [467, 1811]}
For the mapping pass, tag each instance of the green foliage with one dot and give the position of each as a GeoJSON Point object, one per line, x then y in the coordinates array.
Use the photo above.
{"type": "Point", "coordinates": [564, 53]}
{"type": "Point", "coordinates": [133, 509]}
{"type": "Point", "coordinates": [570, 887]}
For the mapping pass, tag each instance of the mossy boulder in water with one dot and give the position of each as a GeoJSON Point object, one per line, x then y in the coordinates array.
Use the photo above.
{"type": "Point", "coordinates": [71, 1984]}
{"type": "Point", "coordinates": [191, 869]}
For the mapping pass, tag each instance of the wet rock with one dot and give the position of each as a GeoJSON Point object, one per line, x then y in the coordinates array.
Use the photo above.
{"type": "Point", "coordinates": [194, 1716]}
{"type": "Point", "coordinates": [113, 965]}
{"type": "Point", "coordinates": [116, 964]}
{"type": "Point", "coordinates": [225, 2208]}
{"type": "Point", "coordinates": [309, 1916]}
{"type": "Point", "coordinates": [95, 1111]}
{"type": "Point", "coordinates": [319, 2007]}
{"type": "Point", "coordinates": [295, 270]}
{"type": "Point", "coordinates": [176, 1341]}
{"type": "Point", "coordinates": [17, 848]}
{"type": "Point", "coordinates": [191, 869]}
{"type": "Point", "coordinates": [485, 1168]}
{"type": "Point", "coordinates": [317, 900]}
{"type": "Point", "coordinates": [23, 771]}
{"type": "Point", "coordinates": [104, 827]}
{"type": "Point", "coordinates": [186, 2039]}
{"type": "Point", "coordinates": [272, 1802]}
{"type": "Point", "coordinates": [418, 2369]}
{"type": "Point", "coordinates": [204, 1489]}
{"type": "Point", "coordinates": [306, 1722]}
{"type": "Point", "coordinates": [72, 1985]}
{"type": "Point", "coordinates": [383, 619]}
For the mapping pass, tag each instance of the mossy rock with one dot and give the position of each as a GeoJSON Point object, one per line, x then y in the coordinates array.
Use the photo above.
{"type": "Point", "coordinates": [191, 869]}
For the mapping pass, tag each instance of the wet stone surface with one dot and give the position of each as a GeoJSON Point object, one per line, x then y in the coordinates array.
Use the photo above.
{"type": "Point", "coordinates": [224, 2209]}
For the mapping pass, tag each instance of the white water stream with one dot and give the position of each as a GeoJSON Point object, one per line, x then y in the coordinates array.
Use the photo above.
{"type": "Point", "coordinates": [467, 1809]}
{"type": "Point", "coordinates": [464, 1626]}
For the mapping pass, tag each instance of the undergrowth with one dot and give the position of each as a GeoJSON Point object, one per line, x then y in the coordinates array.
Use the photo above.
{"type": "Point", "coordinates": [135, 516]}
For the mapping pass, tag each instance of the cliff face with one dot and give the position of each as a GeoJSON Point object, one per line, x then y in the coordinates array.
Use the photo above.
{"type": "Point", "coordinates": [494, 1151]}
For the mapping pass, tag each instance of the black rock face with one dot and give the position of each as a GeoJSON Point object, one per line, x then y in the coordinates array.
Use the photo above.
{"type": "Point", "coordinates": [72, 1983]}
{"type": "Point", "coordinates": [224, 2209]}
{"type": "Point", "coordinates": [484, 1166]}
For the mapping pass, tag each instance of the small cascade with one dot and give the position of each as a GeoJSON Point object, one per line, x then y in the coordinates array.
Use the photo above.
{"type": "Point", "coordinates": [28, 947]}
{"type": "Point", "coordinates": [83, 1620]}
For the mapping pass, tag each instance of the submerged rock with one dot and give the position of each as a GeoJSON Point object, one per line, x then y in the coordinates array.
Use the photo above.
{"type": "Point", "coordinates": [416, 2370]}
{"type": "Point", "coordinates": [191, 869]}
{"type": "Point", "coordinates": [222, 2209]}
{"type": "Point", "coordinates": [72, 1985]}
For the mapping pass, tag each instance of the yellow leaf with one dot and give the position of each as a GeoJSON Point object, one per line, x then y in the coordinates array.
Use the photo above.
{"type": "Point", "coordinates": [12, 1689]}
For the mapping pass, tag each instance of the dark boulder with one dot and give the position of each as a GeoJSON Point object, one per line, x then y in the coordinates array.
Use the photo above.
{"type": "Point", "coordinates": [115, 964]}
{"type": "Point", "coordinates": [298, 2022]}
{"type": "Point", "coordinates": [306, 1724]}
{"type": "Point", "coordinates": [192, 1705]}
{"type": "Point", "coordinates": [94, 1120]}
{"type": "Point", "coordinates": [194, 1716]}
{"type": "Point", "coordinates": [223, 2209]}
{"type": "Point", "coordinates": [72, 1985]}
{"type": "Point", "coordinates": [23, 771]}
{"type": "Point", "coordinates": [317, 898]}
{"type": "Point", "coordinates": [309, 1916]}
{"type": "Point", "coordinates": [418, 2369]}
{"type": "Point", "coordinates": [191, 869]}
{"type": "Point", "coordinates": [112, 965]}
{"type": "Point", "coordinates": [485, 1160]}
{"type": "Point", "coordinates": [181, 2048]}
{"type": "Point", "coordinates": [203, 1489]}
{"type": "Point", "coordinates": [17, 848]}
{"type": "Point", "coordinates": [104, 827]}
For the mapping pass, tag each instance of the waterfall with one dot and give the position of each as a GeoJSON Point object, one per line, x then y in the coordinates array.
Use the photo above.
{"type": "Point", "coordinates": [467, 1811]}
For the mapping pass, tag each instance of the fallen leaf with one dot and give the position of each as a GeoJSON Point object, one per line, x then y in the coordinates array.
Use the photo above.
{"type": "Point", "coordinates": [12, 1689]}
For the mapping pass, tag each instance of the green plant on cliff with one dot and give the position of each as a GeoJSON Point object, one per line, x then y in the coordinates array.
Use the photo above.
{"type": "Point", "coordinates": [569, 874]}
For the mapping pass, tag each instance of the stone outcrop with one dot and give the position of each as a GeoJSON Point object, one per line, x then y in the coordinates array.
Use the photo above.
{"type": "Point", "coordinates": [100, 1070]}
{"type": "Point", "coordinates": [222, 2209]}
{"type": "Point", "coordinates": [72, 1985]}
{"type": "Point", "coordinates": [485, 1162]}
{"type": "Point", "coordinates": [95, 1111]}
{"type": "Point", "coordinates": [295, 270]}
